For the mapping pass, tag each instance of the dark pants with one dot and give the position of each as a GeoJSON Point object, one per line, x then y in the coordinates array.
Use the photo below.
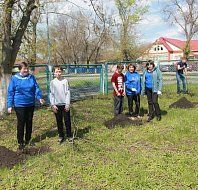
{"type": "Point", "coordinates": [24, 121]}
{"type": "Point", "coordinates": [153, 105]}
{"type": "Point", "coordinates": [60, 115]}
{"type": "Point", "coordinates": [136, 99]}
{"type": "Point", "coordinates": [118, 104]}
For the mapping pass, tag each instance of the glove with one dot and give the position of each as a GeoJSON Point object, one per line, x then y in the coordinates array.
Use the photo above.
{"type": "Point", "coordinates": [133, 89]}
{"type": "Point", "coordinates": [159, 92]}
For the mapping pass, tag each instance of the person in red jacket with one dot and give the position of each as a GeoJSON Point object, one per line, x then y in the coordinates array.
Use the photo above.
{"type": "Point", "coordinates": [117, 81]}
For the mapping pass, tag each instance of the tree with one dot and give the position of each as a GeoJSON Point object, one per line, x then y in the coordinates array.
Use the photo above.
{"type": "Point", "coordinates": [78, 38]}
{"type": "Point", "coordinates": [28, 49]}
{"type": "Point", "coordinates": [11, 39]}
{"type": "Point", "coordinates": [184, 14]}
{"type": "Point", "coordinates": [130, 13]}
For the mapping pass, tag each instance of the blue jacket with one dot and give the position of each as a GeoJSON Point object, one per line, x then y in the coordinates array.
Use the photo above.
{"type": "Point", "coordinates": [157, 80]}
{"type": "Point", "coordinates": [132, 80]}
{"type": "Point", "coordinates": [22, 91]}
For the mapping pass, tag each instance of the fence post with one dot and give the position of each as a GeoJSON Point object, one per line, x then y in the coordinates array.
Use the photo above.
{"type": "Point", "coordinates": [101, 80]}
{"type": "Point", "coordinates": [106, 78]}
{"type": "Point", "coordinates": [48, 70]}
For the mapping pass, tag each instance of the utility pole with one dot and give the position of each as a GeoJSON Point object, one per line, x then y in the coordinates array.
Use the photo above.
{"type": "Point", "coordinates": [48, 37]}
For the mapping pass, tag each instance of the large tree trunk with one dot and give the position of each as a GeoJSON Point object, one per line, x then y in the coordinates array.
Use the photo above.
{"type": "Point", "coordinates": [6, 41]}
{"type": "Point", "coordinates": [4, 82]}
{"type": "Point", "coordinates": [6, 54]}
{"type": "Point", "coordinates": [10, 47]}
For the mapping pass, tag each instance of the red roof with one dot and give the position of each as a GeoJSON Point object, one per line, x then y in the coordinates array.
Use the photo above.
{"type": "Point", "coordinates": [178, 43]}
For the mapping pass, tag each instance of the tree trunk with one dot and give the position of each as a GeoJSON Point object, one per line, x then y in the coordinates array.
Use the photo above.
{"type": "Point", "coordinates": [10, 46]}
{"type": "Point", "coordinates": [4, 82]}
{"type": "Point", "coordinates": [21, 30]}
{"type": "Point", "coordinates": [187, 47]}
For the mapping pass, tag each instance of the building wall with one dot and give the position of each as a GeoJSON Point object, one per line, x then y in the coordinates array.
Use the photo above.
{"type": "Point", "coordinates": [158, 49]}
{"type": "Point", "coordinates": [159, 52]}
{"type": "Point", "coordinates": [176, 56]}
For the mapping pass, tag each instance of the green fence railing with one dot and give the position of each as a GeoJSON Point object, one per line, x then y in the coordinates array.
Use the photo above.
{"type": "Point", "coordinates": [94, 79]}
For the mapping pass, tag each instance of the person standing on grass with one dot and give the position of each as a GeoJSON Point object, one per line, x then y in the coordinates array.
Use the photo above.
{"type": "Point", "coordinates": [117, 81]}
{"type": "Point", "coordinates": [22, 91]}
{"type": "Point", "coordinates": [181, 73]}
{"type": "Point", "coordinates": [133, 89]}
{"type": "Point", "coordinates": [152, 86]}
{"type": "Point", "coordinates": [60, 102]}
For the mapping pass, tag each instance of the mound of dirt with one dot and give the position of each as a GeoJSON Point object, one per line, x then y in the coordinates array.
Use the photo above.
{"type": "Point", "coordinates": [9, 158]}
{"type": "Point", "coordinates": [122, 120]}
{"type": "Point", "coordinates": [34, 151]}
{"type": "Point", "coordinates": [182, 103]}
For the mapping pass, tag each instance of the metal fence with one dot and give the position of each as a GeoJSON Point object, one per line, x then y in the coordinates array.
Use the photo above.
{"type": "Point", "coordinates": [84, 80]}
{"type": "Point", "coordinates": [167, 68]}
{"type": "Point", "coordinates": [95, 79]}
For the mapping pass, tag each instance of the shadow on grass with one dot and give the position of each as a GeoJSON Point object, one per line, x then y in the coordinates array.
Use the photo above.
{"type": "Point", "coordinates": [47, 134]}
{"type": "Point", "coordinates": [54, 132]}
{"type": "Point", "coordinates": [164, 112]}
{"type": "Point", "coordinates": [144, 111]}
{"type": "Point", "coordinates": [81, 132]}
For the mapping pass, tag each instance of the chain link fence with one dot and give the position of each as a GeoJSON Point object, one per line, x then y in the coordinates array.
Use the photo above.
{"type": "Point", "coordinates": [88, 80]}
{"type": "Point", "coordinates": [84, 80]}
{"type": "Point", "coordinates": [168, 71]}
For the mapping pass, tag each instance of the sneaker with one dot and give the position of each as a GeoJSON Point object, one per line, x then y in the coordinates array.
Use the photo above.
{"type": "Point", "coordinates": [132, 118]}
{"type": "Point", "coordinates": [60, 139]}
{"type": "Point", "coordinates": [185, 92]}
{"type": "Point", "coordinates": [159, 118]}
{"type": "Point", "coordinates": [21, 147]}
{"type": "Point", "coordinates": [70, 140]}
{"type": "Point", "coordinates": [130, 113]}
{"type": "Point", "coordinates": [138, 116]}
{"type": "Point", "coordinates": [150, 118]}
{"type": "Point", "coordinates": [29, 143]}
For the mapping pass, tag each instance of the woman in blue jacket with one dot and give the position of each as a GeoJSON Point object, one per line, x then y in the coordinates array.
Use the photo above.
{"type": "Point", "coordinates": [152, 86]}
{"type": "Point", "coordinates": [22, 91]}
{"type": "Point", "coordinates": [133, 89]}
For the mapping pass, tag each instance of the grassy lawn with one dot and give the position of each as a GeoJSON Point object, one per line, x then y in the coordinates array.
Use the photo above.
{"type": "Point", "coordinates": [156, 155]}
{"type": "Point", "coordinates": [75, 82]}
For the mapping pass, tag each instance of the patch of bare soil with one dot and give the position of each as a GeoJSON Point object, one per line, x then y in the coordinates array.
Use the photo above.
{"type": "Point", "coordinates": [9, 158]}
{"type": "Point", "coordinates": [122, 120]}
{"type": "Point", "coordinates": [34, 151]}
{"type": "Point", "coordinates": [183, 103]}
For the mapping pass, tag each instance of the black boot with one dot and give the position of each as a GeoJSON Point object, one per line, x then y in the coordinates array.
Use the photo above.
{"type": "Point", "coordinates": [21, 147]}
{"type": "Point", "coordinates": [159, 118]}
{"type": "Point", "coordinates": [150, 118]}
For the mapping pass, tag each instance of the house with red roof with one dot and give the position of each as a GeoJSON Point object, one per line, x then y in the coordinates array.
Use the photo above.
{"type": "Point", "coordinates": [166, 49]}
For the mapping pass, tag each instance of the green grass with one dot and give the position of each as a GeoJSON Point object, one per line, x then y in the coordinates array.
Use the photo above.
{"type": "Point", "coordinates": [74, 83]}
{"type": "Point", "coordinates": [157, 155]}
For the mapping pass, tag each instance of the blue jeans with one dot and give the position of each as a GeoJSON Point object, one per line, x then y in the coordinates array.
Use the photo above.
{"type": "Point", "coordinates": [181, 79]}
